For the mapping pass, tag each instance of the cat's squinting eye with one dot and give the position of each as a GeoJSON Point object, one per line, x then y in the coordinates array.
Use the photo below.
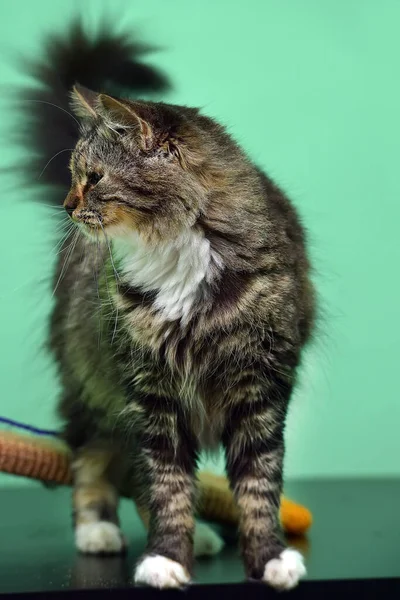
{"type": "Point", "coordinates": [93, 178]}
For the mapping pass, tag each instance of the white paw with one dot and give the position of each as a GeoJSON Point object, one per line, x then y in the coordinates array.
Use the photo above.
{"type": "Point", "coordinates": [161, 572]}
{"type": "Point", "coordinates": [206, 541]}
{"type": "Point", "coordinates": [100, 537]}
{"type": "Point", "coordinates": [283, 573]}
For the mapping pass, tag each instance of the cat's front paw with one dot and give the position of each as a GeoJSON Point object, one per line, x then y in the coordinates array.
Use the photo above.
{"type": "Point", "coordinates": [101, 537]}
{"type": "Point", "coordinates": [284, 572]}
{"type": "Point", "coordinates": [161, 572]}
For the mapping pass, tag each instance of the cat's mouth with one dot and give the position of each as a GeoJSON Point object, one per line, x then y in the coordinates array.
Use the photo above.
{"type": "Point", "coordinates": [90, 223]}
{"type": "Point", "coordinates": [97, 225]}
{"type": "Point", "coordinates": [88, 219]}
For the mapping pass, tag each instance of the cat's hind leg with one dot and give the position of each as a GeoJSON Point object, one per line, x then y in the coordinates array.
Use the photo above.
{"type": "Point", "coordinates": [95, 503]}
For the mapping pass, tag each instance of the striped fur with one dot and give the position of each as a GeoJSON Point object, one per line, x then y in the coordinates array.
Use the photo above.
{"type": "Point", "coordinates": [181, 313]}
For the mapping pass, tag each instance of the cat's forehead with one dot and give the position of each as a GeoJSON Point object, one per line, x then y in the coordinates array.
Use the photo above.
{"type": "Point", "coordinates": [95, 145]}
{"type": "Point", "coordinates": [94, 140]}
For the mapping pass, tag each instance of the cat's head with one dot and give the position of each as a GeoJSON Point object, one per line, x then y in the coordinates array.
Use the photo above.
{"type": "Point", "coordinates": [140, 167]}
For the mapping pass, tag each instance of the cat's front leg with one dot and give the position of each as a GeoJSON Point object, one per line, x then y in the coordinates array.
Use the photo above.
{"type": "Point", "coordinates": [169, 456]}
{"type": "Point", "coordinates": [254, 444]}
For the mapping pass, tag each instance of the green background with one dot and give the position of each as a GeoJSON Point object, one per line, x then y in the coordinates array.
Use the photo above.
{"type": "Point", "coordinates": [311, 89]}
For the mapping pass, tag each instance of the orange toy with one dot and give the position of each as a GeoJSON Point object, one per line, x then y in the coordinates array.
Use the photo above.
{"type": "Point", "coordinates": [48, 460]}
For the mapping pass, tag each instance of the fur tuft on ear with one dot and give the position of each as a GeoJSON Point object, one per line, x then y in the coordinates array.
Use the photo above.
{"type": "Point", "coordinates": [121, 115]}
{"type": "Point", "coordinates": [83, 102]}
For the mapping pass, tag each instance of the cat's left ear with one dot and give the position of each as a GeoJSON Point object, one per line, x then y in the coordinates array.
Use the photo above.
{"type": "Point", "coordinates": [121, 115]}
{"type": "Point", "coordinates": [84, 102]}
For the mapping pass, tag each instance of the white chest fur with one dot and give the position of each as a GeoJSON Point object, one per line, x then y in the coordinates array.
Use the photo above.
{"type": "Point", "coordinates": [175, 270]}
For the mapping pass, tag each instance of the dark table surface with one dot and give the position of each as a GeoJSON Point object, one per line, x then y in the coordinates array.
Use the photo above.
{"type": "Point", "coordinates": [355, 536]}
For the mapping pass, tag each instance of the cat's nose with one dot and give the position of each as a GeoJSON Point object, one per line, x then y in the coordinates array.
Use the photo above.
{"type": "Point", "coordinates": [69, 209]}
{"type": "Point", "coordinates": [71, 202]}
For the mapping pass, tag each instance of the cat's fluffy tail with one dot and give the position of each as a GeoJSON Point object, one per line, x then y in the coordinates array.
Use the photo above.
{"type": "Point", "coordinates": [104, 61]}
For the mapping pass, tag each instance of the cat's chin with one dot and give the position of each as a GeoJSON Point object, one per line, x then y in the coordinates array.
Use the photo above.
{"type": "Point", "coordinates": [92, 232]}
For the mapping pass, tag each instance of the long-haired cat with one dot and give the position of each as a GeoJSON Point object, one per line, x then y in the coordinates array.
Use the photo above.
{"type": "Point", "coordinates": [183, 303]}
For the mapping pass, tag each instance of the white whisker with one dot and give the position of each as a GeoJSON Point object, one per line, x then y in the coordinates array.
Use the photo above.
{"type": "Point", "coordinates": [59, 108]}
{"type": "Point", "coordinates": [109, 250]}
{"type": "Point", "coordinates": [52, 158]}
{"type": "Point", "coordinates": [66, 260]}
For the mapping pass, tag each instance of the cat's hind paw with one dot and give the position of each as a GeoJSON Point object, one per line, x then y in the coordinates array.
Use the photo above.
{"type": "Point", "coordinates": [206, 541]}
{"type": "Point", "coordinates": [101, 537]}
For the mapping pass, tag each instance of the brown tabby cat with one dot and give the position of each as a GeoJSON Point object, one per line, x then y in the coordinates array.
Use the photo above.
{"type": "Point", "coordinates": [180, 318]}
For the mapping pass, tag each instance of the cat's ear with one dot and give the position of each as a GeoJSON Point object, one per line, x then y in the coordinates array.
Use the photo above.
{"type": "Point", "coordinates": [84, 102]}
{"type": "Point", "coordinates": [121, 115]}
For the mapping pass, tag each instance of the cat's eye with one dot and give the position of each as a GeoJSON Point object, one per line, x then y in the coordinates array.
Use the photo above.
{"type": "Point", "coordinates": [93, 178]}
